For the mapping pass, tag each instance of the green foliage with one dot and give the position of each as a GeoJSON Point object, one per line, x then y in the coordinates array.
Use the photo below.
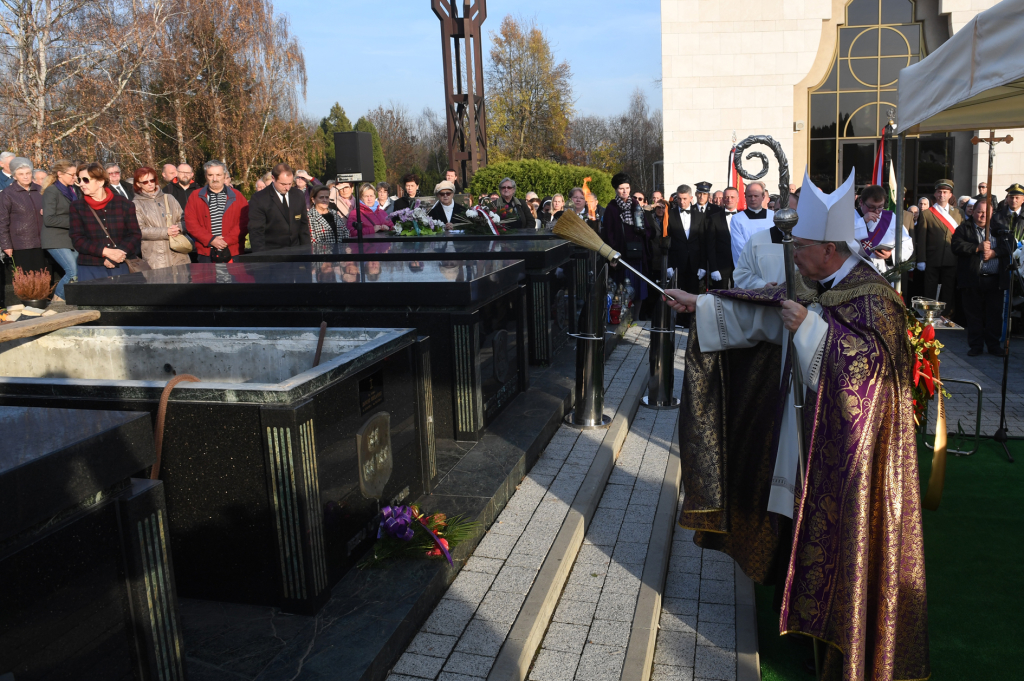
{"type": "Point", "coordinates": [335, 121]}
{"type": "Point", "coordinates": [380, 168]}
{"type": "Point", "coordinates": [544, 177]}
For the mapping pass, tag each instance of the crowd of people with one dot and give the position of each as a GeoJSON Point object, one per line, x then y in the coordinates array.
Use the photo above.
{"type": "Point", "coordinates": [88, 221]}
{"type": "Point", "coordinates": [702, 238]}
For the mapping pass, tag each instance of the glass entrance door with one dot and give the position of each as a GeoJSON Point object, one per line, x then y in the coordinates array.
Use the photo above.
{"type": "Point", "coordinates": [859, 155]}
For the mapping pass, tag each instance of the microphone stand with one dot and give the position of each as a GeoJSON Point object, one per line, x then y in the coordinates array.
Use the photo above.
{"type": "Point", "coordinates": [1002, 436]}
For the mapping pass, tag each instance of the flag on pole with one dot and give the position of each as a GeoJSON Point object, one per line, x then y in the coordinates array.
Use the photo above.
{"type": "Point", "coordinates": [734, 177]}
{"type": "Point", "coordinates": [878, 173]}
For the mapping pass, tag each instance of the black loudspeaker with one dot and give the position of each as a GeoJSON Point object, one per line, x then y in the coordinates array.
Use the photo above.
{"type": "Point", "coordinates": [353, 156]}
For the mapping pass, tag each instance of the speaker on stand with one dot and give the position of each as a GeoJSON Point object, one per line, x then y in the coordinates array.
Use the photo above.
{"type": "Point", "coordinates": [353, 162]}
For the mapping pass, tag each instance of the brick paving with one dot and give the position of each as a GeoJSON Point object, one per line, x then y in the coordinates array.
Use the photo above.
{"type": "Point", "coordinates": [461, 638]}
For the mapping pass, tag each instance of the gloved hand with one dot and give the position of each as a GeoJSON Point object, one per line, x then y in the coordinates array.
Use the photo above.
{"type": "Point", "coordinates": [670, 272]}
{"type": "Point", "coordinates": [701, 273]}
{"type": "Point", "coordinates": [715, 276]}
{"type": "Point", "coordinates": [920, 267]}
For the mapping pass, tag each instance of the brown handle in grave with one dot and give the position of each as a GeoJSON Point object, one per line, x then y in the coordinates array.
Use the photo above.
{"type": "Point", "coordinates": [161, 414]}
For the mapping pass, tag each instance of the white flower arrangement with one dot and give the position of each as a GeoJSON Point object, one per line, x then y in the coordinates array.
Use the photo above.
{"type": "Point", "coordinates": [471, 214]}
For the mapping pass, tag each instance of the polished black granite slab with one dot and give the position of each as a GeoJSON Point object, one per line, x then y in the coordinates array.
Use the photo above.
{"type": "Point", "coordinates": [538, 254]}
{"type": "Point", "coordinates": [509, 235]}
{"type": "Point", "coordinates": [448, 283]}
{"type": "Point", "coordinates": [372, 615]}
{"type": "Point", "coordinates": [54, 459]}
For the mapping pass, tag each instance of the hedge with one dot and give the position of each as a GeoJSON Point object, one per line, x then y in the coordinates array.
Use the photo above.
{"type": "Point", "coordinates": [544, 177]}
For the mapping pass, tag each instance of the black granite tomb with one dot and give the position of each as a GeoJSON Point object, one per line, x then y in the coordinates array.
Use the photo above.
{"type": "Point", "coordinates": [472, 310]}
{"type": "Point", "coordinates": [86, 580]}
{"type": "Point", "coordinates": [265, 462]}
{"type": "Point", "coordinates": [550, 284]}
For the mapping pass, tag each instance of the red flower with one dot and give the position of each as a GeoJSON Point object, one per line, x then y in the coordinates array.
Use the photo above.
{"type": "Point", "coordinates": [917, 370]}
{"type": "Point", "coordinates": [928, 334]}
{"type": "Point", "coordinates": [435, 552]}
{"type": "Point", "coordinates": [929, 382]}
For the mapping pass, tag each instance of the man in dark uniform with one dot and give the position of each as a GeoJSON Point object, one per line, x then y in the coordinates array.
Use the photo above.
{"type": "Point", "coordinates": [718, 241]}
{"type": "Point", "coordinates": [1011, 215]}
{"type": "Point", "coordinates": [935, 258]}
{"type": "Point", "coordinates": [981, 276]}
{"type": "Point", "coordinates": [704, 205]}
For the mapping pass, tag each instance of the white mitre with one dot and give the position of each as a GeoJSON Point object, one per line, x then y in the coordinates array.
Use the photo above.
{"type": "Point", "coordinates": [826, 217]}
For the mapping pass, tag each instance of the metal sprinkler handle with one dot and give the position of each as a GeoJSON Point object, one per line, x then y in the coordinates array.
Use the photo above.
{"type": "Point", "coordinates": [618, 259]}
{"type": "Point", "coordinates": [786, 220]}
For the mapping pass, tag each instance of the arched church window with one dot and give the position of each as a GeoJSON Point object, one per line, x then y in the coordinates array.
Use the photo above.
{"type": "Point", "coordinates": [848, 109]}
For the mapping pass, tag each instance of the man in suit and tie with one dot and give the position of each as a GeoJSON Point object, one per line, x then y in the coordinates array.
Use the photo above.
{"type": "Point", "coordinates": [277, 214]}
{"type": "Point", "coordinates": [718, 240]}
{"type": "Point", "coordinates": [117, 185]}
{"type": "Point", "coordinates": [686, 245]}
{"type": "Point", "coordinates": [932, 248]}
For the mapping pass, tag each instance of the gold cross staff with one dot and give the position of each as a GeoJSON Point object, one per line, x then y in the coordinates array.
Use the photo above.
{"type": "Point", "coordinates": [991, 141]}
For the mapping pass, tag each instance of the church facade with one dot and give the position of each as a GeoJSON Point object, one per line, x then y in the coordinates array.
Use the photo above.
{"type": "Point", "coordinates": [817, 75]}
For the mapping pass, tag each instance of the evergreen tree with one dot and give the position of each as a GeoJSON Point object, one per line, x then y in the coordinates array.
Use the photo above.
{"type": "Point", "coordinates": [336, 121]}
{"type": "Point", "coordinates": [380, 168]}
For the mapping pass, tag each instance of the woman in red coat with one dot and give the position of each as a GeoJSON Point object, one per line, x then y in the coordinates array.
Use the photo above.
{"type": "Point", "coordinates": [374, 218]}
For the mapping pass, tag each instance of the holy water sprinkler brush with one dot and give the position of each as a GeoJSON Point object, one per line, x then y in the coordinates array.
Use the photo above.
{"type": "Point", "coordinates": [571, 227]}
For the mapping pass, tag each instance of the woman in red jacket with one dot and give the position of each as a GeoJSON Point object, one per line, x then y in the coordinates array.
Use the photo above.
{"type": "Point", "coordinates": [217, 217]}
{"type": "Point", "coordinates": [103, 226]}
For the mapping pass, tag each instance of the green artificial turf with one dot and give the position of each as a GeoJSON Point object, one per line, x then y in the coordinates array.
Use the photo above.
{"type": "Point", "coordinates": [973, 557]}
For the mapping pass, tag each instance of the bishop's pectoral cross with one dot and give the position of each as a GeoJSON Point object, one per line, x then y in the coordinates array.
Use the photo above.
{"type": "Point", "coordinates": [991, 141]}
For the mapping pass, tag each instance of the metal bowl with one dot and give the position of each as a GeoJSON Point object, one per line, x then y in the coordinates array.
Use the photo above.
{"type": "Point", "coordinates": [928, 308]}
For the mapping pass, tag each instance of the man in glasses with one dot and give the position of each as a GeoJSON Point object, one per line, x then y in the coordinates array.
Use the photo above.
{"type": "Point", "coordinates": [510, 206]}
{"type": "Point", "coordinates": [445, 208]}
{"type": "Point", "coordinates": [754, 219]}
{"type": "Point", "coordinates": [875, 230]}
{"type": "Point", "coordinates": [119, 186]}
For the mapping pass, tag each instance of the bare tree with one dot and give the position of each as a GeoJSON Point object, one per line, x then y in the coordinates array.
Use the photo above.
{"type": "Point", "coordinates": [69, 62]}
{"type": "Point", "coordinates": [637, 137]}
{"type": "Point", "coordinates": [397, 138]}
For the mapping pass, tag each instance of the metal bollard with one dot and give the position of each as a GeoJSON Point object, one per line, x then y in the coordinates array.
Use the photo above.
{"type": "Point", "coordinates": [662, 351]}
{"type": "Point", "coordinates": [589, 393]}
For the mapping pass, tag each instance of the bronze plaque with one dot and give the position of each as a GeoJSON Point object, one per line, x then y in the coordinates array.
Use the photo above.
{"type": "Point", "coordinates": [373, 445]}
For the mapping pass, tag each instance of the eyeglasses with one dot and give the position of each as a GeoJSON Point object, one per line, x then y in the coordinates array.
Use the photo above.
{"type": "Point", "coordinates": [149, 181]}
{"type": "Point", "coordinates": [83, 180]}
{"type": "Point", "coordinates": [800, 247]}
{"type": "Point", "coordinates": [445, 193]}
{"type": "Point", "coordinates": [506, 188]}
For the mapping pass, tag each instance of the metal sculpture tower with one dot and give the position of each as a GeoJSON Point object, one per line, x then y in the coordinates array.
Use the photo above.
{"type": "Point", "coordinates": [464, 84]}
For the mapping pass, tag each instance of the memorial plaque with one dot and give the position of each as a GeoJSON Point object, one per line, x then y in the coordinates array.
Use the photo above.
{"type": "Point", "coordinates": [373, 443]}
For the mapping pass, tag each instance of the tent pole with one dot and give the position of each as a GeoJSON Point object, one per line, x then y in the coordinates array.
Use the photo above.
{"type": "Point", "coordinates": [901, 163]}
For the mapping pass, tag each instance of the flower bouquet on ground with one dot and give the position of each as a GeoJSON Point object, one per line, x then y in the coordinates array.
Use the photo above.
{"type": "Point", "coordinates": [405, 532]}
{"type": "Point", "coordinates": [481, 219]}
{"type": "Point", "coordinates": [926, 365]}
{"type": "Point", "coordinates": [415, 221]}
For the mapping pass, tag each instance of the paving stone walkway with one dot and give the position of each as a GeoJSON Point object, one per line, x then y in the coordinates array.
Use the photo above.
{"type": "Point", "coordinates": [697, 634]}
{"type": "Point", "coordinates": [461, 638]}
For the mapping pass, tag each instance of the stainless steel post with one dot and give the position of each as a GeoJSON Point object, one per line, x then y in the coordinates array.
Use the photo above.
{"type": "Point", "coordinates": [901, 166]}
{"type": "Point", "coordinates": [662, 351]}
{"type": "Point", "coordinates": [589, 392]}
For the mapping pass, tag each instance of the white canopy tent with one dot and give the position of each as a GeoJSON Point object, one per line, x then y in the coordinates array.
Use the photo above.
{"type": "Point", "coordinates": [973, 81]}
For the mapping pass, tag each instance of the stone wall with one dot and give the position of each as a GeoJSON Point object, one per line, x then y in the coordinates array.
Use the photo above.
{"type": "Point", "coordinates": [745, 66]}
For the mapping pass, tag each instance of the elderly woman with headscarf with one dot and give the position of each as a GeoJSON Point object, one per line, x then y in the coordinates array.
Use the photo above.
{"type": "Point", "coordinates": [625, 229]}
{"type": "Point", "coordinates": [21, 219]}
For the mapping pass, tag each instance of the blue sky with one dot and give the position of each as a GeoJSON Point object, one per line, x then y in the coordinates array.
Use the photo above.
{"type": "Point", "coordinates": [612, 48]}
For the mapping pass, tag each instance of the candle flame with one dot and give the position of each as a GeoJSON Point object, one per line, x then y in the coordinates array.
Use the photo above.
{"type": "Point", "coordinates": [591, 200]}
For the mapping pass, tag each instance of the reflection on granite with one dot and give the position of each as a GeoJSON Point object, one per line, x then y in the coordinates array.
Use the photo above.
{"type": "Point", "coordinates": [536, 253]}
{"type": "Point", "coordinates": [52, 460]}
{"type": "Point", "coordinates": [30, 433]}
{"type": "Point", "coordinates": [304, 284]}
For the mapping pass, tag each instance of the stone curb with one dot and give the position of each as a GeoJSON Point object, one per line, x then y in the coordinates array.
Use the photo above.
{"type": "Point", "coordinates": [748, 662]}
{"type": "Point", "coordinates": [517, 653]}
{"type": "Point", "coordinates": [644, 633]}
